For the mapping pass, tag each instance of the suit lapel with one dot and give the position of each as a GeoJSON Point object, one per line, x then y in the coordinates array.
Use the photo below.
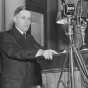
{"type": "Point", "coordinates": [19, 38]}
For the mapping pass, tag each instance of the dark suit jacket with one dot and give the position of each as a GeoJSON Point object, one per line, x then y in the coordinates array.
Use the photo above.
{"type": "Point", "coordinates": [19, 66]}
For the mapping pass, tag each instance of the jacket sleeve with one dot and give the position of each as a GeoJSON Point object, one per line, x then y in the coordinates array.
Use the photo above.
{"type": "Point", "coordinates": [14, 51]}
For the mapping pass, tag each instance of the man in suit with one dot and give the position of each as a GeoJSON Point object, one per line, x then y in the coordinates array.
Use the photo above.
{"type": "Point", "coordinates": [20, 52]}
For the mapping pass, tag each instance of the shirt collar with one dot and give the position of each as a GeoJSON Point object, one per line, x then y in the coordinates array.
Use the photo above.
{"type": "Point", "coordinates": [19, 30]}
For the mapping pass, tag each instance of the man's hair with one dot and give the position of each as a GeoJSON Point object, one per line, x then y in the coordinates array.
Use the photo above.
{"type": "Point", "coordinates": [19, 9]}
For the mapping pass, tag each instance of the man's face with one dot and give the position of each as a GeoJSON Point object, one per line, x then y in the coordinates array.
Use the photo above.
{"type": "Point", "coordinates": [23, 20]}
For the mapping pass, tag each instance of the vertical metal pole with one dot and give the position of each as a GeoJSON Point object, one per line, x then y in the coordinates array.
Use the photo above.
{"type": "Point", "coordinates": [71, 52]}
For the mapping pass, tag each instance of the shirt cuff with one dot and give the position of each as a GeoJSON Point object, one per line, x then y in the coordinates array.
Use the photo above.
{"type": "Point", "coordinates": [39, 53]}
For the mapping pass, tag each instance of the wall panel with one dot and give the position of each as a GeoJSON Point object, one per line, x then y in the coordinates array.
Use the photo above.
{"type": "Point", "coordinates": [10, 6]}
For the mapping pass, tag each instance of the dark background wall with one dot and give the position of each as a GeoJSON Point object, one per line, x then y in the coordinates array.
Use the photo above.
{"type": "Point", "coordinates": [53, 33]}
{"type": "Point", "coordinates": [48, 8]}
{"type": "Point", "coordinates": [50, 23]}
{"type": "Point", "coordinates": [36, 5]}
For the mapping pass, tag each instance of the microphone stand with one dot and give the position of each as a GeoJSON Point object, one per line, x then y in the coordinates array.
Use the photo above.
{"type": "Point", "coordinates": [70, 51]}
{"type": "Point", "coordinates": [69, 33]}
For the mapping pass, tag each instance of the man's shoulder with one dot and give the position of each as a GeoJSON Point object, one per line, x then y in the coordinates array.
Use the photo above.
{"type": "Point", "coordinates": [6, 35]}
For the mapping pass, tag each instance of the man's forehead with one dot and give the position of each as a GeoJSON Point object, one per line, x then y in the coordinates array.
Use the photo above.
{"type": "Point", "coordinates": [25, 12]}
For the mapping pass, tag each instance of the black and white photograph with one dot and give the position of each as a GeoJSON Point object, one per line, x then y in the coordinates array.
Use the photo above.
{"type": "Point", "coordinates": [43, 43]}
